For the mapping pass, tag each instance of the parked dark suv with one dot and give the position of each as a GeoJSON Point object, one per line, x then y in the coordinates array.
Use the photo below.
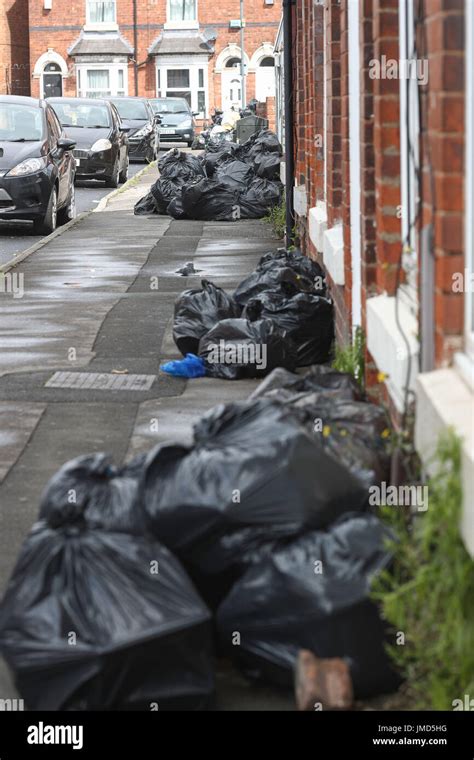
{"type": "Point", "coordinates": [177, 119]}
{"type": "Point", "coordinates": [37, 167]}
{"type": "Point", "coordinates": [101, 141]}
{"type": "Point", "coordinates": [143, 135]}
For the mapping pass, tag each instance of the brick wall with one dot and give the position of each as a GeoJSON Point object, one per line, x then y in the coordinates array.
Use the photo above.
{"type": "Point", "coordinates": [442, 42]}
{"type": "Point", "coordinates": [14, 47]}
{"type": "Point", "coordinates": [386, 94]}
{"type": "Point", "coordinates": [439, 34]}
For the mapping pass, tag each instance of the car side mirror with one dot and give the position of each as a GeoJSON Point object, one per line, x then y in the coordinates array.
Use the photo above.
{"type": "Point", "coordinates": [124, 128]}
{"type": "Point", "coordinates": [157, 119]}
{"type": "Point", "coordinates": [64, 143]}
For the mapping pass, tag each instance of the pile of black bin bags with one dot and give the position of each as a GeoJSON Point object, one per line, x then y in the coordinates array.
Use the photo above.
{"type": "Point", "coordinates": [263, 520]}
{"type": "Point", "coordinates": [225, 183]}
{"type": "Point", "coordinates": [280, 310]}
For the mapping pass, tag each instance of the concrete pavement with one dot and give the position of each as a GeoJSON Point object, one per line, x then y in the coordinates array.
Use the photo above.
{"type": "Point", "coordinates": [98, 300]}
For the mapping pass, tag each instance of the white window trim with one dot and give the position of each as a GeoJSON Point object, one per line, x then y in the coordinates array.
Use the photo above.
{"type": "Point", "coordinates": [113, 68]}
{"type": "Point", "coordinates": [464, 362]}
{"type": "Point", "coordinates": [103, 26]}
{"type": "Point", "coordinates": [354, 162]}
{"type": "Point", "coordinates": [193, 63]}
{"type": "Point", "coordinates": [469, 210]}
{"type": "Point", "coordinates": [408, 180]}
{"type": "Point", "coordinates": [191, 24]}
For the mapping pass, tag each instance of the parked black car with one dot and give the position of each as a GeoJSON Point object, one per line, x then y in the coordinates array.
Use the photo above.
{"type": "Point", "coordinates": [101, 139]}
{"type": "Point", "coordinates": [143, 136]}
{"type": "Point", "coordinates": [177, 119]}
{"type": "Point", "coordinates": [37, 166]}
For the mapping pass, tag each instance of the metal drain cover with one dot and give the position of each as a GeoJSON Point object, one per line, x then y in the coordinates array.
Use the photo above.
{"type": "Point", "coordinates": [100, 381]}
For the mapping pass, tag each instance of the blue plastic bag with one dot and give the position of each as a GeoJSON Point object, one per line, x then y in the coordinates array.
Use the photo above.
{"type": "Point", "coordinates": [190, 366]}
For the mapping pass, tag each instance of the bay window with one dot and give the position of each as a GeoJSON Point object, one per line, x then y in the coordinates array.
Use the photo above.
{"type": "Point", "coordinates": [101, 80]}
{"type": "Point", "coordinates": [183, 80]}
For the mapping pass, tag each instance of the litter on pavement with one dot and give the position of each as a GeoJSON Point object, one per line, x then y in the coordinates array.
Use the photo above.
{"type": "Point", "coordinates": [227, 182]}
{"type": "Point", "coordinates": [263, 519]}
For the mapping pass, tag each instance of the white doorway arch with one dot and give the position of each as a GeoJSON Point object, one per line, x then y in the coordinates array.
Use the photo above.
{"type": "Point", "coordinates": [228, 66]}
{"type": "Point", "coordinates": [51, 70]}
{"type": "Point", "coordinates": [263, 64]}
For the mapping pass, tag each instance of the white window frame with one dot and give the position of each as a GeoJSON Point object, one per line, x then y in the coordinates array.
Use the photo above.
{"type": "Point", "coordinates": [193, 64]}
{"type": "Point", "coordinates": [190, 24]}
{"type": "Point", "coordinates": [469, 210]}
{"type": "Point", "coordinates": [100, 25]}
{"type": "Point", "coordinates": [464, 361]}
{"type": "Point", "coordinates": [408, 179]}
{"type": "Point", "coordinates": [112, 68]}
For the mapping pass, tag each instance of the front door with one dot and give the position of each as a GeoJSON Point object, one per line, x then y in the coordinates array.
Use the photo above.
{"type": "Point", "coordinates": [52, 81]}
{"type": "Point", "coordinates": [231, 89]}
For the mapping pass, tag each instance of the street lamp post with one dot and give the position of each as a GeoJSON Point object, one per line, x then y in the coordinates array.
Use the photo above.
{"type": "Point", "coordinates": [242, 61]}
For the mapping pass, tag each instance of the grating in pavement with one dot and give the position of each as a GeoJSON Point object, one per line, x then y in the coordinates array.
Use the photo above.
{"type": "Point", "coordinates": [102, 381]}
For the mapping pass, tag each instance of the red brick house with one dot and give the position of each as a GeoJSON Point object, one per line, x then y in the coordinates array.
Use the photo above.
{"type": "Point", "coordinates": [383, 197]}
{"type": "Point", "coordinates": [14, 48]}
{"type": "Point", "coordinates": [153, 47]}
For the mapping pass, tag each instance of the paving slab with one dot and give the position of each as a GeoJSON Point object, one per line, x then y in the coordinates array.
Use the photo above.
{"type": "Point", "coordinates": [97, 312]}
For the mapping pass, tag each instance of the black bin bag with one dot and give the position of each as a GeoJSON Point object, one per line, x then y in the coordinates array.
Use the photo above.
{"type": "Point", "coordinates": [259, 197]}
{"type": "Point", "coordinates": [94, 620]}
{"type": "Point", "coordinates": [164, 190]}
{"type": "Point", "coordinates": [357, 433]}
{"type": "Point", "coordinates": [146, 206]}
{"type": "Point", "coordinates": [175, 207]}
{"type": "Point", "coordinates": [235, 349]}
{"type": "Point", "coordinates": [307, 318]}
{"type": "Point", "coordinates": [211, 200]}
{"type": "Point", "coordinates": [177, 165]}
{"type": "Point", "coordinates": [92, 491]}
{"type": "Point", "coordinates": [254, 476]}
{"type": "Point", "coordinates": [321, 381]}
{"type": "Point", "coordinates": [214, 160]}
{"type": "Point", "coordinates": [267, 165]}
{"type": "Point", "coordinates": [279, 279]}
{"type": "Point", "coordinates": [297, 261]}
{"type": "Point", "coordinates": [196, 311]}
{"type": "Point", "coordinates": [313, 594]}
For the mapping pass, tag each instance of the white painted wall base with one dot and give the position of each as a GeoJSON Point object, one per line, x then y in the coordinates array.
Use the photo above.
{"type": "Point", "coordinates": [318, 223]}
{"type": "Point", "coordinates": [443, 399]}
{"type": "Point", "coordinates": [333, 253]}
{"type": "Point", "coordinates": [283, 171]}
{"type": "Point", "coordinates": [300, 200]}
{"type": "Point", "coordinates": [386, 344]}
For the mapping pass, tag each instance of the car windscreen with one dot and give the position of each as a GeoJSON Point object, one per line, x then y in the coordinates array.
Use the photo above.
{"type": "Point", "coordinates": [89, 116]}
{"type": "Point", "coordinates": [131, 109]}
{"type": "Point", "coordinates": [21, 123]}
{"type": "Point", "coordinates": [169, 105]}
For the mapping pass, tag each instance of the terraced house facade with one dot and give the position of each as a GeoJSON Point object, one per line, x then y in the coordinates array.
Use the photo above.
{"type": "Point", "coordinates": [152, 48]}
{"type": "Point", "coordinates": [384, 199]}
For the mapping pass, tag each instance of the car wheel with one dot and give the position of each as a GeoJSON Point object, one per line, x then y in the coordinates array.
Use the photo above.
{"type": "Point", "coordinates": [68, 213]}
{"type": "Point", "coordinates": [48, 223]}
{"type": "Point", "coordinates": [114, 180]}
{"type": "Point", "coordinates": [123, 176]}
{"type": "Point", "coordinates": [190, 143]}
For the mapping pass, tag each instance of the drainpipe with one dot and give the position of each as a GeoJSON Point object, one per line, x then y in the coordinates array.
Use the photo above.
{"type": "Point", "coordinates": [242, 59]}
{"type": "Point", "coordinates": [289, 126]}
{"type": "Point", "coordinates": [135, 46]}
